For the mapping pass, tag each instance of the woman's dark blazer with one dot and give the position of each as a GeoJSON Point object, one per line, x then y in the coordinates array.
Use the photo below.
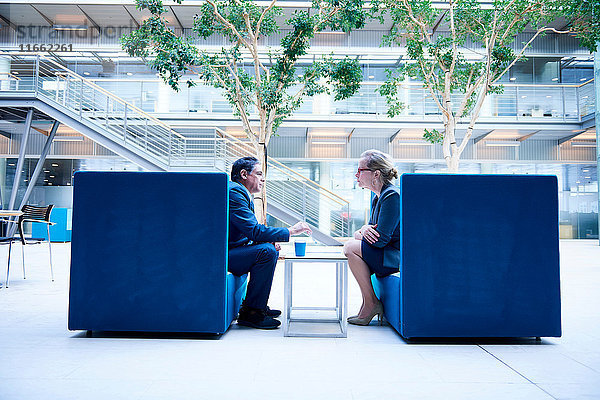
{"type": "Point", "coordinates": [385, 212]}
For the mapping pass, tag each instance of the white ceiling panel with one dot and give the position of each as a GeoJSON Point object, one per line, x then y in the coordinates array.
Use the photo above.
{"type": "Point", "coordinates": [22, 14]}
{"type": "Point", "coordinates": [62, 14]}
{"type": "Point", "coordinates": [108, 15]}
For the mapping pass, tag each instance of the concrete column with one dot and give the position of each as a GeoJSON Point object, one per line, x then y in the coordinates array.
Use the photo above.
{"type": "Point", "coordinates": [4, 70]}
{"type": "Point", "coordinates": [324, 211]}
{"type": "Point", "coordinates": [163, 98]}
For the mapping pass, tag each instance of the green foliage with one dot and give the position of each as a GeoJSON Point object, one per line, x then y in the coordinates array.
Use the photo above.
{"type": "Point", "coordinates": [439, 60]}
{"type": "Point", "coordinates": [274, 88]}
{"type": "Point", "coordinates": [584, 19]}
{"type": "Point", "coordinates": [433, 136]}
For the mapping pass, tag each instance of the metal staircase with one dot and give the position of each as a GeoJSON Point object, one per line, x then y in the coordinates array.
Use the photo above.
{"type": "Point", "coordinates": [39, 83]}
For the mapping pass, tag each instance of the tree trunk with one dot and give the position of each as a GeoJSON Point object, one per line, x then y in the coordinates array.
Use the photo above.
{"type": "Point", "coordinates": [260, 203]}
{"type": "Point", "coordinates": [451, 154]}
{"type": "Point", "coordinates": [452, 163]}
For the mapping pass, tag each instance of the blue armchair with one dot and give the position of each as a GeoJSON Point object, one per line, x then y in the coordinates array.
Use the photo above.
{"type": "Point", "coordinates": [479, 257]}
{"type": "Point", "coordinates": [149, 253]}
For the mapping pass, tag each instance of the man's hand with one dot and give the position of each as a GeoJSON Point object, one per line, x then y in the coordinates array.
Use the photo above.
{"type": "Point", "coordinates": [277, 246]}
{"type": "Point", "coordinates": [300, 227]}
{"type": "Point", "coordinates": [369, 233]}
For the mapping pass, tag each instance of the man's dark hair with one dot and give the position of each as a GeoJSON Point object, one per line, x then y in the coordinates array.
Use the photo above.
{"type": "Point", "coordinates": [246, 163]}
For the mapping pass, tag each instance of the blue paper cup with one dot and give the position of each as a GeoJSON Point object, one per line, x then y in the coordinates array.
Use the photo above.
{"type": "Point", "coordinates": [300, 248]}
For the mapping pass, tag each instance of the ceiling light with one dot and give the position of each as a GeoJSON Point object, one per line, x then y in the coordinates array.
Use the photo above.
{"type": "Point", "coordinates": [52, 176]}
{"type": "Point", "coordinates": [129, 74]}
{"type": "Point", "coordinates": [582, 79]}
{"type": "Point", "coordinates": [523, 97]}
{"type": "Point", "coordinates": [554, 79]}
{"type": "Point", "coordinates": [70, 27]}
{"type": "Point", "coordinates": [11, 164]}
{"type": "Point", "coordinates": [513, 79]}
{"type": "Point", "coordinates": [329, 142]}
{"type": "Point", "coordinates": [584, 97]}
{"type": "Point", "coordinates": [414, 143]}
{"type": "Point", "coordinates": [45, 180]}
{"type": "Point", "coordinates": [503, 144]}
{"type": "Point", "coordinates": [15, 72]}
{"type": "Point", "coordinates": [585, 170]}
{"type": "Point", "coordinates": [86, 73]}
{"type": "Point", "coordinates": [583, 144]}
{"type": "Point", "coordinates": [54, 165]}
{"type": "Point", "coordinates": [548, 97]}
{"type": "Point", "coordinates": [67, 139]}
{"type": "Point", "coordinates": [331, 33]}
{"type": "Point", "coordinates": [371, 76]}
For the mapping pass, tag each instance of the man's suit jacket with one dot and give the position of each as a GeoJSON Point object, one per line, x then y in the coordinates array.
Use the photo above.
{"type": "Point", "coordinates": [243, 227]}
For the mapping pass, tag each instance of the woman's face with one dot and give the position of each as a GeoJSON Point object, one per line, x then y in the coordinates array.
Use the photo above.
{"type": "Point", "coordinates": [364, 176]}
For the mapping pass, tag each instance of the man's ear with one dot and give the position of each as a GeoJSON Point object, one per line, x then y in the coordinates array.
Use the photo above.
{"type": "Point", "coordinates": [244, 174]}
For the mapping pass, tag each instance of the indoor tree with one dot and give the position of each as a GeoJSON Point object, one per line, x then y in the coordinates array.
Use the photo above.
{"type": "Point", "coordinates": [435, 40]}
{"type": "Point", "coordinates": [260, 83]}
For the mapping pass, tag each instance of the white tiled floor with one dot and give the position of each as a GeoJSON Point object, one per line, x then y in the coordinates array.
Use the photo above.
{"type": "Point", "coordinates": [41, 359]}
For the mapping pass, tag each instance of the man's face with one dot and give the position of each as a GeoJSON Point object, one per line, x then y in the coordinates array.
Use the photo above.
{"type": "Point", "coordinates": [254, 180]}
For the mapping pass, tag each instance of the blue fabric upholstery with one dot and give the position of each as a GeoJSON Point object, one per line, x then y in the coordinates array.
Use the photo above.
{"type": "Point", "coordinates": [149, 253]}
{"type": "Point", "coordinates": [479, 257]}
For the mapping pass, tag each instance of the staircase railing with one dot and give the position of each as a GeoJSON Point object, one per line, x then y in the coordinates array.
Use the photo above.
{"type": "Point", "coordinates": [124, 122]}
{"type": "Point", "coordinates": [37, 75]}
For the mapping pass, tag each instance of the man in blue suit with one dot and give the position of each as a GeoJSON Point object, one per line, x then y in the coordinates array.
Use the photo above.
{"type": "Point", "coordinates": [252, 246]}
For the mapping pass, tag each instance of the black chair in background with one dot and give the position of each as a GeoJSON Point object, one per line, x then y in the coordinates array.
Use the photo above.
{"type": "Point", "coordinates": [8, 241]}
{"type": "Point", "coordinates": [40, 215]}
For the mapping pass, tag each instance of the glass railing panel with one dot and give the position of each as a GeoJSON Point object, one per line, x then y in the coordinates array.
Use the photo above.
{"type": "Point", "coordinates": [587, 99]}
{"type": "Point", "coordinates": [571, 102]}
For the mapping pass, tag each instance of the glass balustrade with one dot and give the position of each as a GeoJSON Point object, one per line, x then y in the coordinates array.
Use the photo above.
{"type": "Point", "coordinates": [517, 102]}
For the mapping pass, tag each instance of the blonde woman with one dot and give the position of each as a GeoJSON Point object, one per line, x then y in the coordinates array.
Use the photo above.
{"type": "Point", "coordinates": [375, 248]}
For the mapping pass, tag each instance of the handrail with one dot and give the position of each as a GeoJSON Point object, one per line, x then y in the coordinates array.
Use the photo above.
{"type": "Point", "coordinates": [101, 89]}
{"type": "Point", "coordinates": [10, 75]}
{"type": "Point", "coordinates": [290, 171]}
{"type": "Point", "coordinates": [557, 85]}
{"type": "Point", "coordinates": [379, 83]}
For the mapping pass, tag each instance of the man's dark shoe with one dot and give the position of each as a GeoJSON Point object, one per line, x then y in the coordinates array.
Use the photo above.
{"type": "Point", "coordinates": [255, 318]}
{"type": "Point", "coordinates": [272, 312]}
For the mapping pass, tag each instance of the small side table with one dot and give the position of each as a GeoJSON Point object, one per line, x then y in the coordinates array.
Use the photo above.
{"type": "Point", "coordinates": [317, 327]}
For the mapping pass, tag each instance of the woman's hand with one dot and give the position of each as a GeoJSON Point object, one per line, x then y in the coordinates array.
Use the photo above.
{"type": "Point", "coordinates": [369, 233]}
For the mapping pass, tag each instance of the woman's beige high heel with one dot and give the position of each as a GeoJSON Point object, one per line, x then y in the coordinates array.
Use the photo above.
{"type": "Point", "coordinates": [377, 310]}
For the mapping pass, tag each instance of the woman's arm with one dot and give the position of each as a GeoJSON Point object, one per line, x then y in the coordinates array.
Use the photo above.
{"type": "Point", "coordinates": [388, 219]}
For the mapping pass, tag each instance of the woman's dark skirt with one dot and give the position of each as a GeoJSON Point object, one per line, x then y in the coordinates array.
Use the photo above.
{"type": "Point", "coordinates": [373, 256]}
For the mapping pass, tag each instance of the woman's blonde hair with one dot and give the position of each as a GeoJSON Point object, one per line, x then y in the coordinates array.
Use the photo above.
{"type": "Point", "coordinates": [382, 162]}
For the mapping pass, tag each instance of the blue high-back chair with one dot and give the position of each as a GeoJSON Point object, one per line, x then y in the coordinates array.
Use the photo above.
{"type": "Point", "coordinates": [149, 253]}
{"type": "Point", "coordinates": [479, 257]}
